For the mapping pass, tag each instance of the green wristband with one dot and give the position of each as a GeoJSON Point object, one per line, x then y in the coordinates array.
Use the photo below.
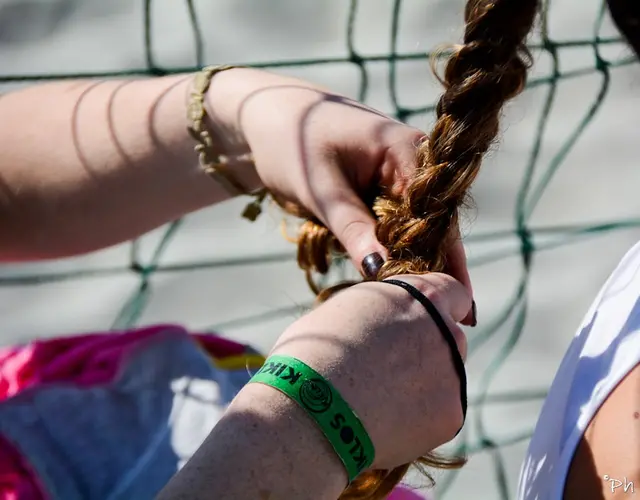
{"type": "Point", "coordinates": [323, 403]}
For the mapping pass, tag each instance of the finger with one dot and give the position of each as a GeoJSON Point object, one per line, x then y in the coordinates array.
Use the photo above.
{"type": "Point", "coordinates": [351, 222]}
{"type": "Point", "coordinates": [448, 294]}
{"type": "Point", "coordinates": [457, 267]}
{"type": "Point", "coordinates": [457, 264]}
{"type": "Point", "coordinates": [400, 160]}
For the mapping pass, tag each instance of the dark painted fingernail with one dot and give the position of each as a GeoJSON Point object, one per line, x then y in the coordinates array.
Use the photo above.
{"type": "Point", "coordinates": [372, 264]}
{"type": "Point", "coordinates": [474, 314]}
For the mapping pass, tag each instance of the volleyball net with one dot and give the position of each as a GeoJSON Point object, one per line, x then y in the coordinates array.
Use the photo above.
{"type": "Point", "coordinates": [535, 178]}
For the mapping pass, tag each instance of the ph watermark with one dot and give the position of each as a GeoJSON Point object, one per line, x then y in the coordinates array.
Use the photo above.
{"type": "Point", "coordinates": [620, 485]}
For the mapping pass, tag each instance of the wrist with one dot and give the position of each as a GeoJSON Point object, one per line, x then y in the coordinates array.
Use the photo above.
{"type": "Point", "coordinates": [337, 363]}
{"type": "Point", "coordinates": [223, 101]}
{"type": "Point", "coordinates": [303, 454]}
{"type": "Point", "coordinates": [246, 104]}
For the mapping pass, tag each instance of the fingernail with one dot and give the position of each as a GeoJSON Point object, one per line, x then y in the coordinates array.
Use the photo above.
{"type": "Point", "coordinates": [474, 314]}
{"type": "Point", "coordinates": [372, 264]}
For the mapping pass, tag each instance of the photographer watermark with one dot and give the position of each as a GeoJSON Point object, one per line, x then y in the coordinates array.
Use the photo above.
{"type": "Point", "coordinates": [625, 485]}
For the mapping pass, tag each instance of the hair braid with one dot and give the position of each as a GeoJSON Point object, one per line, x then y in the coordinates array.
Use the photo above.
{"type": "Point", "coordinates": [480, 76]}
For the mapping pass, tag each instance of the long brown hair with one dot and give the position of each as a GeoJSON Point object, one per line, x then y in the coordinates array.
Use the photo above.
{"type": "Point", "coordinates": [480, 76]}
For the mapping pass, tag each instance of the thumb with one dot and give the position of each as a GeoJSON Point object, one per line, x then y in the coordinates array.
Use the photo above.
{"type": "Point", "coordinates": [351, 222]}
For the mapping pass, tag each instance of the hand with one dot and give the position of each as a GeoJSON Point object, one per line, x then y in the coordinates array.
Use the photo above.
{"type": "Point", "coordinates": [326, 152]}
{"type": "Point", "coordinates": [387, 358]}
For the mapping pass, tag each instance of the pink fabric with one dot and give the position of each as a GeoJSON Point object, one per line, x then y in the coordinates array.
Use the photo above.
{"type": "Point", "coordinates": [17, 482]}
{"type": "Point", "coordinates": [85, 360]}
{"type": "Point", "coordinates": [404, 493]}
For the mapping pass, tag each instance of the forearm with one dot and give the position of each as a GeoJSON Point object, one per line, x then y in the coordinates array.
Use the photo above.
{"type": "Point", "coordinates": [265, 447]}
{"type": "Point", "coordinates": [84, 165]}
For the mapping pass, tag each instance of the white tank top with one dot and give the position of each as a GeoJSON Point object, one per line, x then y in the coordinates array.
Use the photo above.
{"type": "Point", "coordinates": [604, 350]}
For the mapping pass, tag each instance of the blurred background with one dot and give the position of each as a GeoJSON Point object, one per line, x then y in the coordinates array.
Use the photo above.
{"type": "Point", "coordinates": [556, 204]}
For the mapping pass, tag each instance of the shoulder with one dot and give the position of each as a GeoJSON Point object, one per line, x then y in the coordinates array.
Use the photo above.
{"type": "Point", "coordinates": [604, 350]}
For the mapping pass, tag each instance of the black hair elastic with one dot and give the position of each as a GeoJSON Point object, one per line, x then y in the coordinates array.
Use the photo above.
{"type": "Point", "coordinates": [448, 337]}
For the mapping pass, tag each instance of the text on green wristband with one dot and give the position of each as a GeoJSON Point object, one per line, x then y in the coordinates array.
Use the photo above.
{"type": "Point", "coordinates": [324, 404]}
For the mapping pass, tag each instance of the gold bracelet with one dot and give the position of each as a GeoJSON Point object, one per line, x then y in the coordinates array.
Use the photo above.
{"type": "Point", "coordinates": [213, 164]}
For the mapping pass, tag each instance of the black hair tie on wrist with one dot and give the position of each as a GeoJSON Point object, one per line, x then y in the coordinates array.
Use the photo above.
{"type": "Point", "coordinates": [448, 337]}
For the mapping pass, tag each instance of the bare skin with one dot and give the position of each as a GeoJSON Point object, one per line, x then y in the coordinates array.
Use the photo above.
{"type": "Point", "coordinates": [610, 448]}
